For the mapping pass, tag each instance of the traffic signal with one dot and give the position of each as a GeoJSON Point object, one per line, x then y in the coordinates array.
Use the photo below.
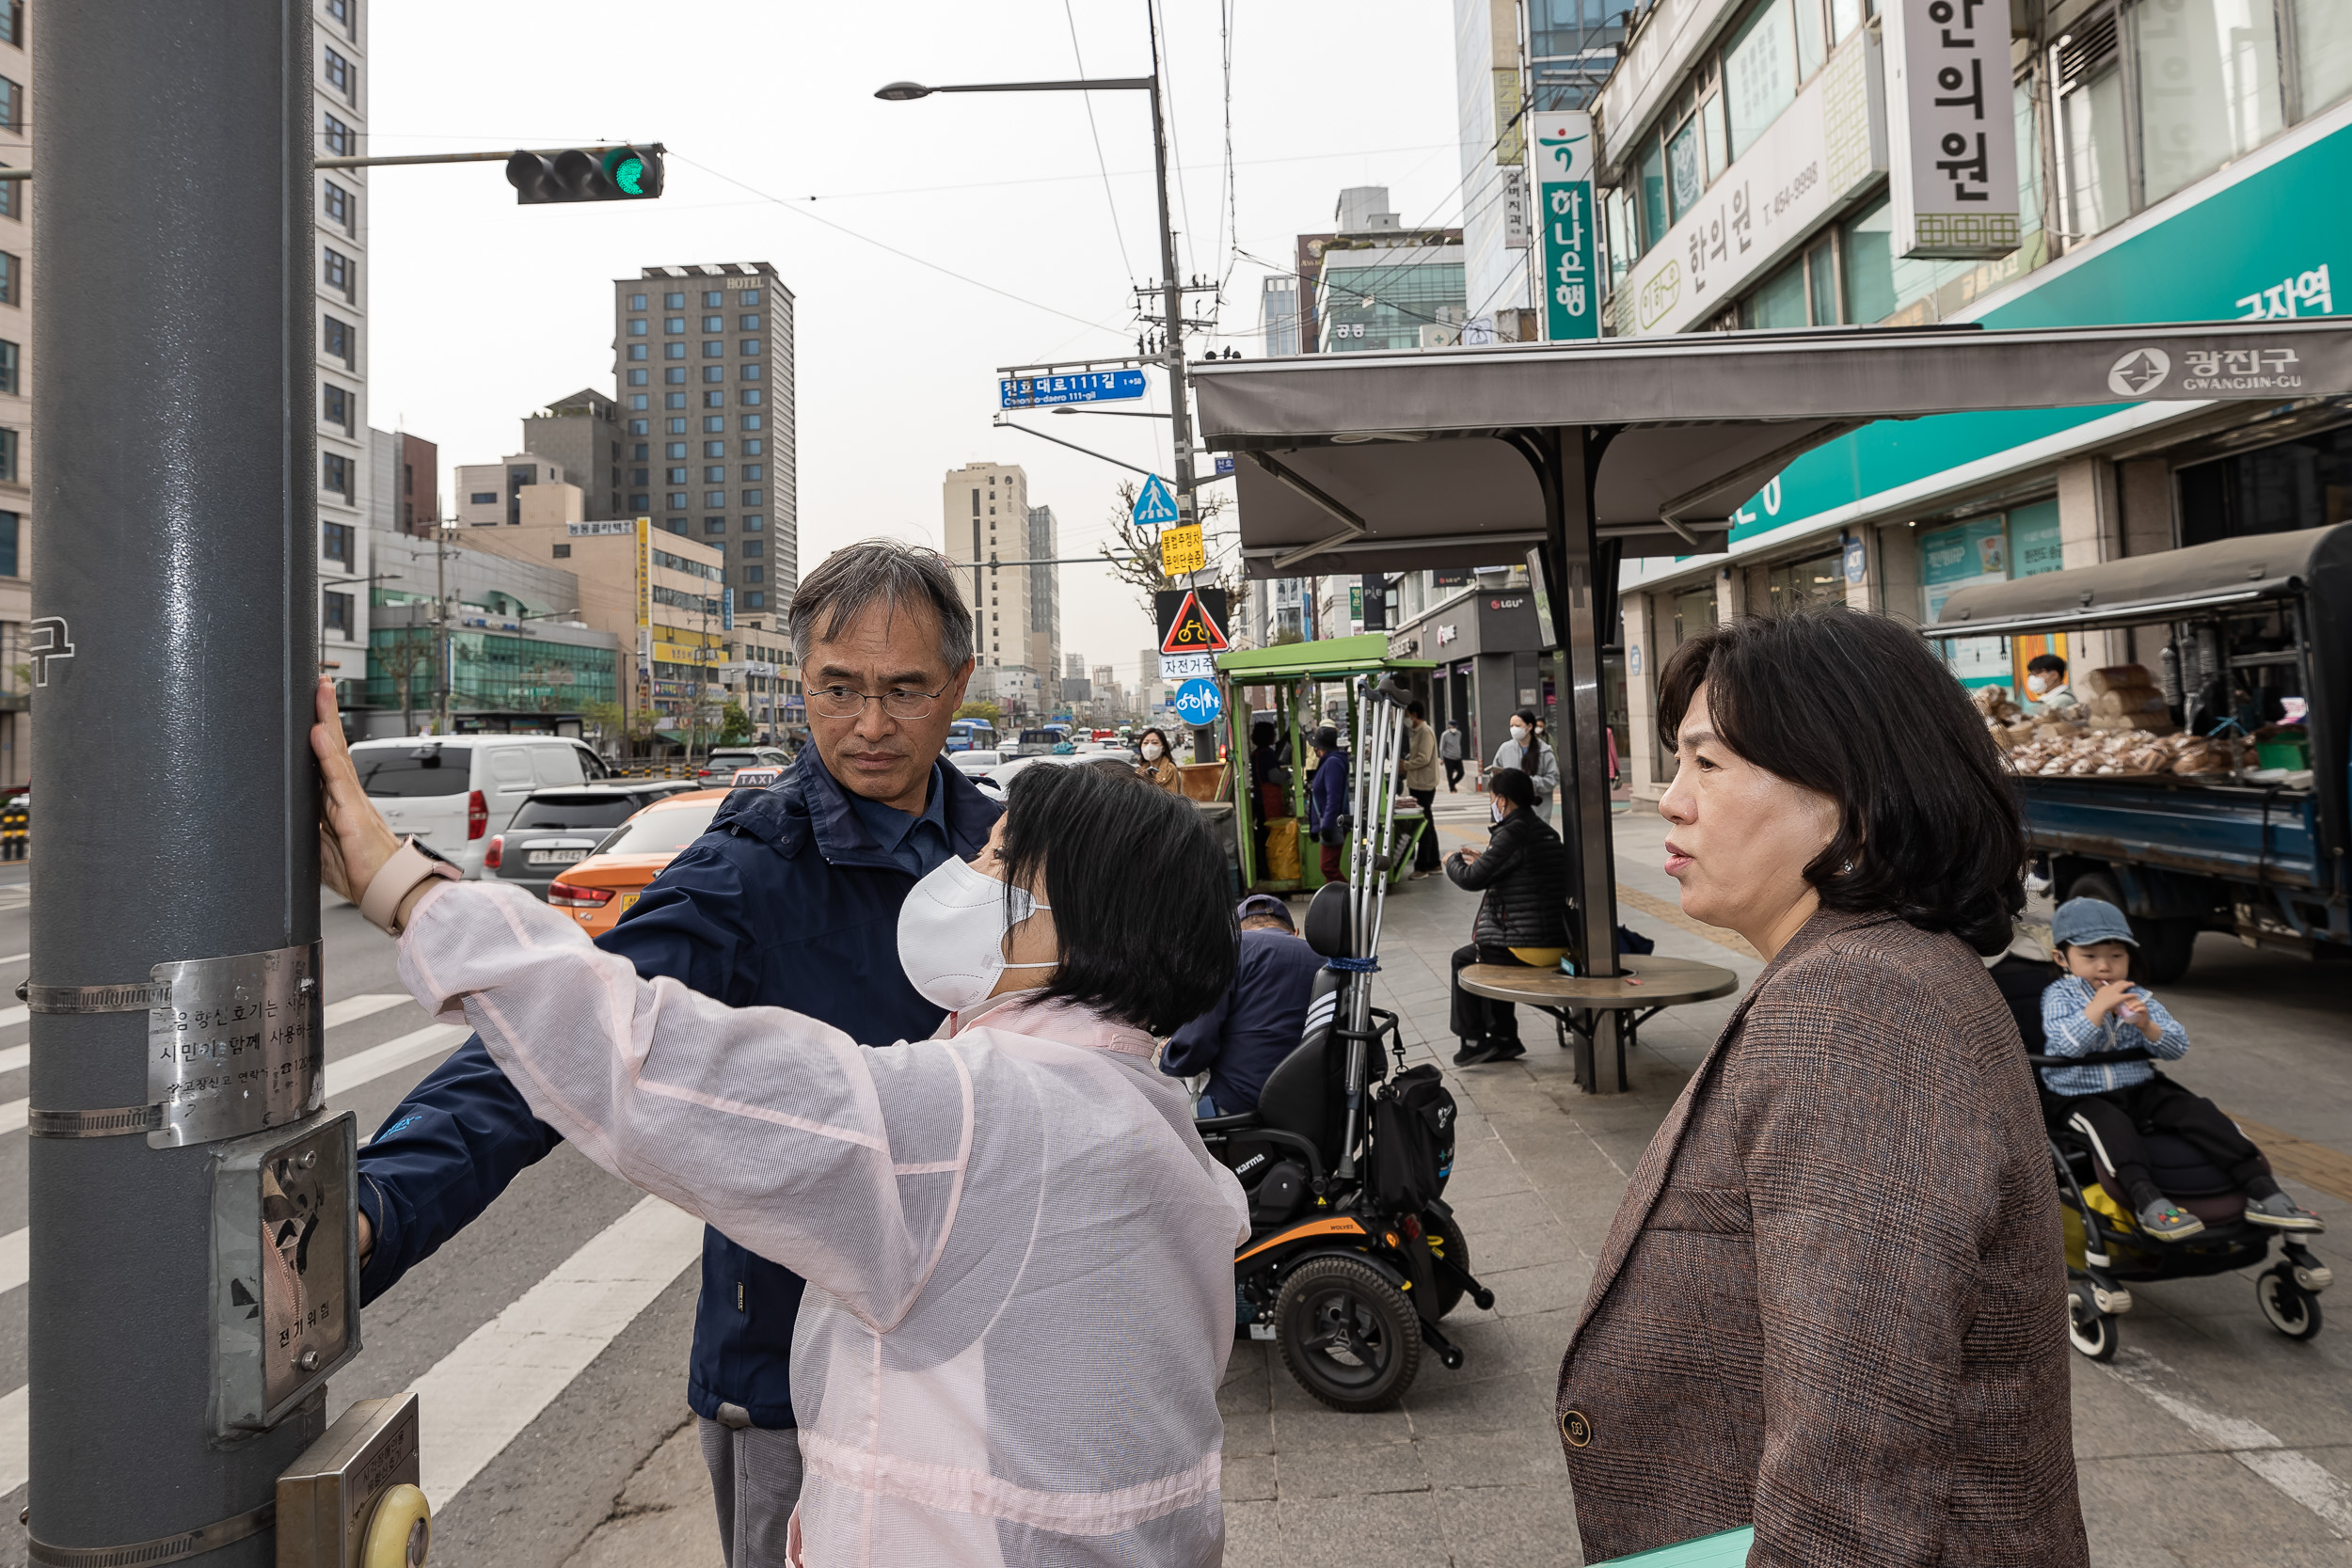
{"type": "Point", "coordinates": [585, 174]}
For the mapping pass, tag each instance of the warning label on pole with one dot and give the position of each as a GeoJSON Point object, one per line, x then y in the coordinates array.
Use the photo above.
{"type": "Point", "coordinates": [1182, 550]}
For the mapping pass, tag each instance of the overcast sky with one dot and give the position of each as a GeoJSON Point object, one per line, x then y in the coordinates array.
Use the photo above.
{"type": "Point", "coordinates": [480, 310]}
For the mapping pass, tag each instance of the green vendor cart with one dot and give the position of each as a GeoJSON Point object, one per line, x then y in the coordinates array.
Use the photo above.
{"type": "Point", "coordinates": [1299, 686]}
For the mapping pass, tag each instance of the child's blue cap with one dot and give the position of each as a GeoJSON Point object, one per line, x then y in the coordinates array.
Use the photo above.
{"type": "Point", "coordinates": [2080, 921]}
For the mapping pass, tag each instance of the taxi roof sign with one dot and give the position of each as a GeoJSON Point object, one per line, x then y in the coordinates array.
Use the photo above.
{"type": "Point", "coordinates": [1193, 630]}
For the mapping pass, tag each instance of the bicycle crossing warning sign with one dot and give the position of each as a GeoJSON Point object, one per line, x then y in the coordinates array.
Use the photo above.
{"type": "Point", "coordinates": [1155, 506]}
{"type": "Point", "coordinates": [1192, 620]}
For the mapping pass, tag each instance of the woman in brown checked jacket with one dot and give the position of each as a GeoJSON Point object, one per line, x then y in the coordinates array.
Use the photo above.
{"type": "Point", "coordinates": [1833, 1302]}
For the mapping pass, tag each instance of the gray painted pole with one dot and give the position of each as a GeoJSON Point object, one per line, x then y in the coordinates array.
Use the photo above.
{"type": "Point", "coordinates": [173, 457]}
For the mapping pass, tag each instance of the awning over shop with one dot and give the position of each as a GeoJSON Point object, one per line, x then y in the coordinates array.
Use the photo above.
{"type": "Point", "coordinates": [2148, 590]}
{"type": "Point", "coordinates": [1412, 459]}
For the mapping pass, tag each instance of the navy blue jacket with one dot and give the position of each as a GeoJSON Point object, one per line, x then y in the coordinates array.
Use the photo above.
{"type": "Point", "coordinates": [785, 902]}
{"type": "Point", "coordinates": [1326, 792]}
{"type": "Point", "coordinates": [1259, 1021]}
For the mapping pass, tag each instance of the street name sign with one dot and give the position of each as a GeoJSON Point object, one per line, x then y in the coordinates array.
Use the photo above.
{"type": "Point", "coordinates": [1046, 391]}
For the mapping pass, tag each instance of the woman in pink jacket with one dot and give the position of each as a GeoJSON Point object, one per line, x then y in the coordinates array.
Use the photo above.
{"type": "Point", "coordinates": [1019, 1254]}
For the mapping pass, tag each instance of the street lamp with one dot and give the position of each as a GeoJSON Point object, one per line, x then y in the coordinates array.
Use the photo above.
{"type": "Point", "coordinates": [1171, 290]}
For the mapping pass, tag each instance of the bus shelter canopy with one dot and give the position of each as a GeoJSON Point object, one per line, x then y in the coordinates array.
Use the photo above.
{"type": "Point", "coordinates": [1416, 458]}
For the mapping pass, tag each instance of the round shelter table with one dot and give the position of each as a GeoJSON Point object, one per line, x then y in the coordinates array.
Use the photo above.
{"type": "Point", "coordinates": [1646, 987]}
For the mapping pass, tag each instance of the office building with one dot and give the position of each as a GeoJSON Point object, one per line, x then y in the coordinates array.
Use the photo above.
{"type": "Point", "coordinates": [1396, 288]}
{"type": "Point", "coordinates": [1490, 98]}
{"type": "Point", "coordinates": [521, 659]}
{"type": "Point", "coordinates": [490, 495]}
{"type": "Point", "coordinates": [405, 489]}
{"type": "Point", "coordinates": [16, 407]}
{"type": "Point", "coordinates": [582, 434]}
{"type": "Point", "coordinates": [1016, 612]}
{"type": "Point", "coordinates": [1109, 700]}
{"type": "Point", "coordinates": [2106, 192]}
{"type": "Point", "coordinates": [1045, 654]}
{"type": "Point", "coordinates": [1277, 314]}
{"type": "Point", "coordinates": [703, 363]}
{"type": "Point", "coordinates": [340, 91]}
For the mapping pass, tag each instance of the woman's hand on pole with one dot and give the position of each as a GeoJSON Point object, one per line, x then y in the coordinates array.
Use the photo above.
{"type": "Point", "coordinates": [354, 839]}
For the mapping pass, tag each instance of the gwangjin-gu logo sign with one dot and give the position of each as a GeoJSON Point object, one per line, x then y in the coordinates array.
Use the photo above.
{"type": "Point", "coordinates": [2140, 372]}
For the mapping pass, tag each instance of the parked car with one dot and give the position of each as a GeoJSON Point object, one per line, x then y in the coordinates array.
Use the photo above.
{"type": "Point", "coordinates": [719, 768]}
{"type": "Point", "coordinates": [557, 829]}
{"type": "Point", "coordinates": [976, 765]}
{"type": "Point", "coordinates": [458, 792]}
{"type": "Point", "coordinates": [600, 889]}
{"type": "Point", "coordinates": [999, 779]}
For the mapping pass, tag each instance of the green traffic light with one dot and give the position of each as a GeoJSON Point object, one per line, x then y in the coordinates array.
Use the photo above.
{"type": "Point", "coordinates": [630, 175]}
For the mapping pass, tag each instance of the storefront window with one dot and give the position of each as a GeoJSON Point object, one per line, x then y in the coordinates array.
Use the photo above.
{"type": "Point", "coordinates": [1683, 167]}
{"type": "Point", "coordinates": [2306, 483]}
{"type": "Point", "coordinates": [1870, 264]}
{"type": "Point", "coordinates": [2208, 87]}
{"type": "Point", "coordinates": [1759, 73]}
{"type": "Point", "coordinates": [2097, 197]}
{"type": "Point", "coordinates": [2020, 544]}
{"type": "Point", "coordinates": [1778, 301]}
{"type": "Point", "coordinates": [2323, 51]}
{"type": "Point", "coordinates": [1653, 181]}
{"type": "Point", "coordinates": [1820, 580]}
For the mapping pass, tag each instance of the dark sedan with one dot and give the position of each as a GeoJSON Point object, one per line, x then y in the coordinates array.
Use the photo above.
{"type": "Point", "coordinates": [557, 827]}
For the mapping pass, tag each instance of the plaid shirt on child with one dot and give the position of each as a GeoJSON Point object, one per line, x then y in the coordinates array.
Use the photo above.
{"type": "Point", "coordinates": [2067, 1032]}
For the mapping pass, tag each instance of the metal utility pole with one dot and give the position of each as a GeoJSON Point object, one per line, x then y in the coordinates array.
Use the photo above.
{"type": "Point", "coordinates": [173, 415]}
{"type": "Point", "coordinates": [1172, 295]}
{"type": "Point", "coordinates": [440, 625]}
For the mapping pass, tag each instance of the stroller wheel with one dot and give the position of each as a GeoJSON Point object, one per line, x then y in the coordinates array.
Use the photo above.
{"type": "Point", "coordinates": [1347, 1334]}
{"type": "Point", "coordinates": [2292, 1311]}
{"type": "Point", "coordinates": [2088, 1329]}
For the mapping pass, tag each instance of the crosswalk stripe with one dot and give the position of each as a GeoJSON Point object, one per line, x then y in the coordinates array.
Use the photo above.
{"type": "Point", "coordinates": [14, 958]}
{"type": "Point", "coordinates": [481, 1396]}
{"type": "Point", "coordinates": [342, 1077]}
{"type": "Point", "coordinates": [353, 1007]}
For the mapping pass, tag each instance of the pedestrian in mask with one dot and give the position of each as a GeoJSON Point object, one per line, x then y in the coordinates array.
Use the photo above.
{"type": "Point", "coordinates": [2045, 683]}
{"type": "Point", "coordinates": [1526, 751]}
{"type": "Point", "coordinates": [1157, 765]}
{"type": "Point", "coordinates": [965, 1370]}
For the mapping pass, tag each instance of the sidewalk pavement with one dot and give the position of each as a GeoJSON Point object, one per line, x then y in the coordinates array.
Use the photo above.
{"type": "Point", "coordinates": [2177, 1465]}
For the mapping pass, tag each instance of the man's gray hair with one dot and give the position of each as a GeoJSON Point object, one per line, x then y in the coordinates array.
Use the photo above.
{"type": "Point", "coordinates": [880, 571]}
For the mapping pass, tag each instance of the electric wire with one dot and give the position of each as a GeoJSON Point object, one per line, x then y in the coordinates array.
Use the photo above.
{"type": "Point", "coordinates": [1162, 61]}
{"type": "Point", "coordinates": [1100, 162]}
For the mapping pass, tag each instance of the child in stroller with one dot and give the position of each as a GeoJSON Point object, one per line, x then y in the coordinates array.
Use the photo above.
{"type": "Point", "coordinates": [2095, 1011]}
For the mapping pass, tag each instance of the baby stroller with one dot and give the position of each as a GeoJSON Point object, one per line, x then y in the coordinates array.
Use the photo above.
{"type": "Point", "coordinates": [1353, 1254]}
{"type": "Point", "coordinates": [2106, 1250]}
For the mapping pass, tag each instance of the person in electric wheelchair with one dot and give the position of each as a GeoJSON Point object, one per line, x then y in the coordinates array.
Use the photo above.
{"type": "Point", "coordinates": [2094, 1010]}
{"type": "Point", "coordinates": [1353, 1256]}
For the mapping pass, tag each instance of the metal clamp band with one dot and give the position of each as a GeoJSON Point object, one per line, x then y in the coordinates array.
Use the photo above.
{"type": "Point", "coordinates": [114, 1122]}
{"type": "Point", "coordinates": [165, 1548]}
{"type": "Point", "coordinates": [94, 999]}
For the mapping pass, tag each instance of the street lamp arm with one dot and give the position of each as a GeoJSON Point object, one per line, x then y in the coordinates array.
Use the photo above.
{"type": "Point", "coordinates": [900, 92]}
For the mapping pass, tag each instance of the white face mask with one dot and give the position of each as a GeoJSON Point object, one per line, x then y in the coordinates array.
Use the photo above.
{"type": "Point", "coordinates": [1494, 810]}
{"type": "Point", "coordinates": [1519, 735]}
{"type": "Point", "coordinates": [951, 934]}
{"type": "Point", "coordinates": [2039, 684]}
{"type": "Point", "coordinates": [1151, 750]}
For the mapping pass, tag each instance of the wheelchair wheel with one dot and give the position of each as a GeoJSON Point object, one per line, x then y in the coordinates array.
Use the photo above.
{"type": "Point", "coordinates": [1347, 1334]}
{"type": "Point", "coordinates": [2088, 1329]}
{"type": "Point", "coordinates": [2291, 1309]}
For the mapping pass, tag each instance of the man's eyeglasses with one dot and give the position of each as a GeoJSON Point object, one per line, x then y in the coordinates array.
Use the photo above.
{"type": "Point", "coordinates": [847, 702]}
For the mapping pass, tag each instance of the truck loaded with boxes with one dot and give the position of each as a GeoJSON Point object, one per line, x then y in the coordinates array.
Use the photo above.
{"type": "Point", "coordinates": [2204, 789]}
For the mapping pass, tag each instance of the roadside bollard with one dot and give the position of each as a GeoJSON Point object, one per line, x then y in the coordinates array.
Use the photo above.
{"type": "Point", "coordinates": [16, 831]}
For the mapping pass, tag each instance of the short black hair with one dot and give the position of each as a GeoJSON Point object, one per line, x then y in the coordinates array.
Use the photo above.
{"type": "Point", "coordinates": [1138, 885]}
{"type": "Point", "coordinates": [1855, 707]}
{"type": "Point", "coordinates": [2042, 663]}
{"type": "Point", "coordinates": [1511, 784]}
{"type": "Point", "coordinates": [1150, 733]}
{"type": "Point", "coordinates": [1262, 734]}
{"type": "Point", "coordinates": [1416, 710]}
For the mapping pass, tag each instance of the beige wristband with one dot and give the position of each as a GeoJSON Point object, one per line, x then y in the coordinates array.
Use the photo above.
{"type": "Point", "coordinates": [393, 882]}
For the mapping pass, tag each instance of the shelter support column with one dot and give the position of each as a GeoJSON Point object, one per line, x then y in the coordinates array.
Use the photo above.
{"type": "Point", "coordinates": [1583, 588]}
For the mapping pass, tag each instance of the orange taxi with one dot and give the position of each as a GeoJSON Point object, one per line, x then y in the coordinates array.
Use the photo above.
{"type": "Point", "coordinates": [600, 889]}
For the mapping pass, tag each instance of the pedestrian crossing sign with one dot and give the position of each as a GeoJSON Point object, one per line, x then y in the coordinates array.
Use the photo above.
{"type": "Point", "coordinates": [1155, 506]}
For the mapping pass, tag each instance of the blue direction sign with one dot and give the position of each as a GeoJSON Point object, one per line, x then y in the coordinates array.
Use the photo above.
{"type": "Point", "coordinates": [1044, 392]}
{"type": "Point", "coordinates": [1155, 506]}
{"type": "Point", "coordinates": [1198, 702]}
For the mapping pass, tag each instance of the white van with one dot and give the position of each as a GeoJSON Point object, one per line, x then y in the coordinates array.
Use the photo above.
{"type": "Point", "coordinates": [457, 792]}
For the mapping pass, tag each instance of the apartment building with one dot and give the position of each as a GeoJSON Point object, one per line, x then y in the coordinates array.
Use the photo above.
{"type": "Point", "coordinates": [1016, 612]}
{"type": "Point", "coordinates": [703, 359]}
{"type": "Point", "coordinates": [16, 407]}
{"type": "Point", "coordinates": [346, 449]}
{"type": "Point", "coordinates": [2119, 161]}
{"type": "Point", "coordinates": [582, 434]}
{"type": "Point", "coordinates": [490, 495]}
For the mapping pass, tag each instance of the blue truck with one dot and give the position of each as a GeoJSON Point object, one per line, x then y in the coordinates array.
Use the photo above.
{"type": "Point", "coordinates": [2252, 641]}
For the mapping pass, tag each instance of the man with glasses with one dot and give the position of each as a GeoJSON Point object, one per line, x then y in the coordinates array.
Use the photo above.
{"type": "Point", "coordinates": [791, 900]}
